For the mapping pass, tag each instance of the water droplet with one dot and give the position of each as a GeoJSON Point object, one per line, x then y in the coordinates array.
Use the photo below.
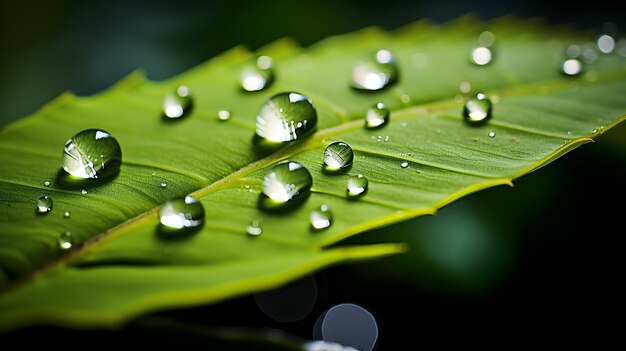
{"type": "Point", "coordinates": [183, 212]}
{"type": "Point", "coordinates": [84, 192]}
{"type": "Point", "coordinates": [420, 60]}
{"type": "Point", "coordinates": [571, 67]}
{"type": "Point", "coordinates": [573, 51]}
{"type": "Point", "coordinates": [178, 103]}
{"type": "Point", "coordinates": [375, 73]}
{"type": "Point", "coordinates": [569, 132]}
{"type": "Point", "coordinates": [377, 116]}
{"type": "Point", "coordinates": [481, 55]}
{"type": "Point", "coordinates": [338, 156]}
{"type": "Point", "coordinates": [46, 183]}
{"type": "Point", "coordinates": [477, 110]}
{"type": "Point", "coordinates": [92, 153]}
{"type": "Point", "coordinates": [465, 87]}
{"type": "Point", "coordinates": [258, 75]}
{"type": "Point", "coordinates": [405, 98]}
{"type": "Point", "coordinates": [285, 184]}
{"type": "Point", "coordinates": [321, 218]}
{"type": "Point", "coordinates": [223, 115]}
{"type": "Point", "coordinates": [386, 139]}
{"type": "Point", "coordinates": [286, 117]}
{"type": "Point", "coordinates": [486, 39]}
{"type": "Point", "coordinates": [66, 241]}
{"type": "Point", "coordinates": [164, 185]}
{"type": "Point", "coordinates": [67, 214]}
{"type": "Point", "coordinates": [404, 164]}
{"type": "Point", "coordinates": [491, 134]}
{"type": "Point", "coordinates": [594, 131]}
{"type": "Point", "coordinates": [357, 185]}
{"type": "Point", "coordinates": [44, 204]}
{"type": "Point", "coordinates": [606, 43]}
{"type": "Point", "coordinates": [254, 228]}
{"type": "Point", "coordinates": [348, 324]}
{"type": "Point", "coordinates": [590, 55]}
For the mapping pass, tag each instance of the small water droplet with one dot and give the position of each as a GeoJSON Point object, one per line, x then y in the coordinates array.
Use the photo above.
{"type": "Point", "coordinates": [404, 164]}
{"type": "Point", "coordinates": [286, 117]}
{"type": "Point", "coordinates": [477, 109]}
{"type": "Point", "coordinates": [321, 218]}
{"type": "Point", "coordinates": [376, 72]}
{"type": "Point", "coordinates": [572, 67]}
{"type": "Point", "coordinates": [357, 185]}
{"type": "Point", "coordinates": [569, 132]}
{"type": "Point", "coordinates": [180, 213]}
{"type": "Point", "coordinates": [590, 55]}
{"type": "Point", "coordinates": [285, 184]}
{"type": "Point", "coordinates": [338, 156]}
{"type": "Point", "coordinates": [84, 192]}
{"type": "Point", "coordinates": [573, 51]}
{"type": "Point", "coordinates": [386, 139]}
{"type": "Point", "coordinates": [491, 134]}
{"type": "Point", "coordinates": [223, 115]}
{"type": "Point", "coordinates": [258, 75]}
{"type": "Point", "coordinates": [377, 116]}
{"type": "Point", "coordinates": [465, 87]}
{"type": "Point", "coordinates": [405, 98]}
{"type": "Point", "coordinates": [79, 150]}
{"type": "Point", "coordinates": [481, 55]}
{"type": "Point", "coordinates": [594, 131]}
{"type": "Point", "coordinates": [178, 103]}
{"type": "Point", "coordinates": [420, 60]}
{"type": "Point", "coordinates": [44, 204]}
{"type": "Point", "coordinates": [486, 39]}
{"type": "Point", "coordinates": [606, 43]}
{"type": "Point", "coordinates": [254, 228]}
{"type": "Point", "coordinates": [46, 183]}
{"type": "Point", "coordinates": [67, 214]}
{"type": "Point", "coordinates": [164, 185]}
{"type": "Point", "coordinates": [66, 241]}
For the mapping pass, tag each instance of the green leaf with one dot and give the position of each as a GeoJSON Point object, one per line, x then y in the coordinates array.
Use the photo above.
{"type": "Point", "coordinates": [123, 267]}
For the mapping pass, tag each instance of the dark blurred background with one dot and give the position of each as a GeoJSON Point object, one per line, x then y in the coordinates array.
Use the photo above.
{"type": "Point", "coordinates": [540, 262]}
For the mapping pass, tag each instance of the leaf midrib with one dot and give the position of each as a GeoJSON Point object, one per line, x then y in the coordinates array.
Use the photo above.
{"type": "Point", "coordinates": [317, 140]}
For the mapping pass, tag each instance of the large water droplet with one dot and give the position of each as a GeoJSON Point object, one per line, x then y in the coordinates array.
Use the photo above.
{"type": "Point", "coordinates": [572, 67]}
{"type": "Point", "coordinates": [357, 185]}
{"type": "Point", "coordinates": [481, 55]}
{"type": "Point", "coordinates": [477, 109]}
{"type": "Point", "coordinates": [286, 117]}
{"type": "Point", "coordinates": [178, 103]}
{"type": "Point", "coordinates": [254, 228]}
{"type": "Point", "coordinates": [606, 43]}
{"type": "Point", "coordinates": [258, 75]}
{"type": "Point", "coordinates": [44, 204]}
{"type": "Point", "coordinates": [285, 184]}
{"type": "Point", "coordinates": [377, 116]}
{"type": "Point", "coordinates": [321, 218]}
{"type": "Point", "coordinates": [65, 241]}
{"type": "Point", "coordinates": [338, 156]}
{"type": "Point", "coordinates": [91, 154]}
{"type": "Point", "coordinates": [376, 72]}
{"type": "Point", "coordinates": [180, 213]}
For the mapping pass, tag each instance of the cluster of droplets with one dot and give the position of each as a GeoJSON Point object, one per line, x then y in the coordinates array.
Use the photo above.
{"type": "Point", "coordinates": [291, 116]}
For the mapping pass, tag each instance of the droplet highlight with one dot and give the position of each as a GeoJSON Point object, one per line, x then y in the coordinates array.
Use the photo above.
{"type": "Point", "coordinates": [92, 154]}
{"type": "Point", "coordinates": [377, 116]}
{"type": "Point", "coordinates": [338, 156]}
{"type": "Point", "coordinates": [44, 204]}
{"type": "Point", "coordinates": [178, 103]}
{"type": "Point", "coordinates": [181, 213]}
{"type": "Point", "coordinates": [285, 184]}
{"type": "Point", "coordinates": [321, 218]}
{"type": "Point", "coordinates": [477, 109]}
{"type": "Point", "coordinates": [376, 72]}
{"type": "Point", "coordinates": [286, 117]}
{"type": "Point", "coordinates": [258, 75]}
{"type": "Point", "coordinates": [357, 186]}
